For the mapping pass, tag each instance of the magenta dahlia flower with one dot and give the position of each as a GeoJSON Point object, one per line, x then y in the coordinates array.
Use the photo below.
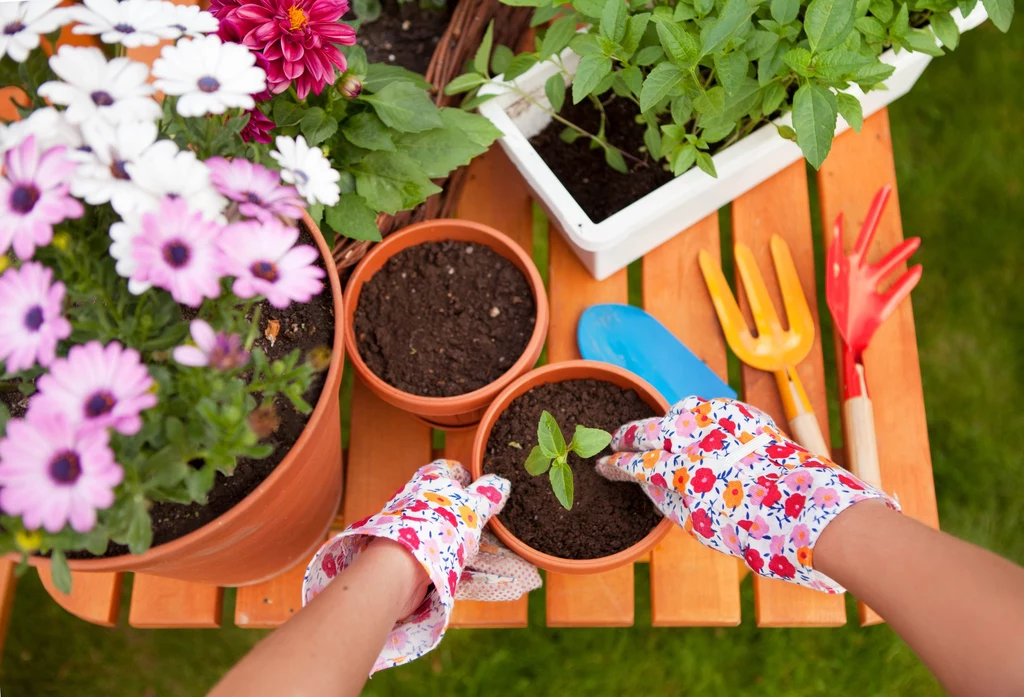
{"type": "Point", "coordinates": [97, 387]}
{"type": "Point", "coordinates": [220, 350]}
{"type": "Point", "coordinates": [297, 37]}
{"type": "Point", "coordinates": [259, 129]}
{"type": "Point", "coordinates": [264, 260]}
{"type": "Point", "coordinates": [52, 474]}
{"type": "Point", "coordinates": [177, 251]}
{"type": "Point", "coordinates": [34, 197]}
{"type": "Point", "coordinates": [257, 190]}
{"type": "Point", "coordinates": [31, 323]}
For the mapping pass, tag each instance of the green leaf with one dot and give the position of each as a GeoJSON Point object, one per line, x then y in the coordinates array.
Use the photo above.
{"type": "Point", "coordinates": [774, 94]}
{"type": "Point", "coordinates": [758, 43]}
{"type": "Point", "coordinates": [392, 181]}
{"type": "Point", "coordinates": [679, 45]}
{"type": "Point", "coordinates": [440, 150]}
{"type": "Point", "coordinates": [140, 529]}
{"type": "Point", "coordinates": [584, 44]}
{"type": "Point", "coordinates": [900, 23]}
{"type": "Point", "coordinates": [317, 126]}
{"type": "Point", "coordinates": [464, 83]}
{"type": "Point", "coordinates": [591, 70]}
{"type": "Point", "coordinates": [636, 25]}
{"type": "Point", "coordinates": [368, 131]}
{"type": "Point", "coordinates": [615, 160]}
{"type": "Point", "coordinates": [882, 9]}
{"type": "Point", "coordinates": [558, 36]}
{"type": "Point", "coordinates": [658, 84]}
{"type": "Point", "coordinates": [716, 130]}
{"type": "Point", "coordinates": [59, 571]}
{"type": "Point", "coordinates": [785, 11]}
{"type": "Point", "coordinates": [405, 107]}
{"type": "Point", "coordinates": [648, 55]}
{"type": "Point", "coordinates": [380, 75]}
{"type": "Point", "coordinates": [814, 119]}
{"type": "Point", "coordinates": [850, 109]}
{"type": "Point", "coordinates": [519, 65]}
{"type": "Point", "coordinates": [703, 7]}
{"type": "Point", "coordinates": [683, 12]}
{"type": "Point", "coordinates": [945, 28]}
{"type": "Point", "coordinates": [682, 109]}
{"type": "Point", "coordinates": [316, 212]}
{"type": "Point", "coordinates": [588, 442]}
{"type": "Point", "coordinates": [367, 10]}
{"type": "Point", "coordinates": [356, 58]}
{"type": "Point", "coordinates": [732, 69]}
{"type": "Point", "coordinates": [561, 478]}
{"type": "Point", "coordinates": [352, 218]}
{"type": "Point", "coordinates": [5, 416]}
{"type": "Point", "coordinates": [710, 102]}
{"type": "Point", "coordinates": [543, 15]}
{"type": "Point", "coordinates": [473, 126]}
{"type": "Point", "coordinates": [717, 32]}
{"type": "Point", "coordinates": [537, 462]}
{"type": "Point", "coordinates": [569, 135]}
{"type": "Point", "coordinates": [839, 63]}
{"type": "Point", "coordinates": [501, 59]}
{"type": "Point", "coordinates": [524, 3]}
{"type": "Point", "coordinates": [771, 63]}
{"type": "Point", "coordinates": [483, 52]}
{"type": "Point", "coordinates": [287, 113]}
{"type": "Point", "coordinates": [827, 22]}
{"type": "Point", "coordinates": [872, 74]}
{"type": "Point", "coordinates": [633, 78]}
{"type": "Point", "coordinates": [683, 159]}
{"type": "Point", "coordinates": [613, 20]}
{"type": "Point", "coordinates": [549, 436]}
{"type": "Point", "coordinates": [591, 8]}
{"type": "Point", "coordinates": [652, 139]}
{"type": "Point", "coordinates": [705, 162]}
{"type": "Point", "coordinates": [966, 6]}
{"type": "Point", "coordinates": [871, 28]}
{"type": "Point", "coordinates": [741, 102]}
{"type": "Point", "coordinates": [922, 41]}
{"type": "Point", "coordinates": [554, 89]}
{"type": "Point", "coordinates": [1000, 12]}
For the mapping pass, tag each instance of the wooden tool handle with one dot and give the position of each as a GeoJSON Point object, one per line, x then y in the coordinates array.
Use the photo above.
{"type": "Point", "coordinates": [807, 432]}
{"type": "Point", "coordinates": [862, 447]}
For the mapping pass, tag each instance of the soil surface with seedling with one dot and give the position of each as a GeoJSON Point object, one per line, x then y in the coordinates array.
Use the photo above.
{"type": "Point", "coordinates": [600, 190]}
{"type": "Point", "coordinates": [405, 34]}
{"type": "Point", "coordinates": [607, 517]}
{"type": "Point", "coordinates": [441, 319]}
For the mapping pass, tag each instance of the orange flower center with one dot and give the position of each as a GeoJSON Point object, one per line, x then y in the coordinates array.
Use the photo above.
{"type": "Point", "coordinates": [296, 18]}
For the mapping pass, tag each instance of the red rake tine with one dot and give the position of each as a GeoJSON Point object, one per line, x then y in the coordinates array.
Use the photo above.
{"type": "Point", "coordinates": [870, 226]}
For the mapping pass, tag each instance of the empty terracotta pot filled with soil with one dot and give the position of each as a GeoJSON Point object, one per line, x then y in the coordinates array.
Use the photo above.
{"type": "Point", "coordinates": [610, 523]}
{"type": "Point", "coordinates": [442, 316]}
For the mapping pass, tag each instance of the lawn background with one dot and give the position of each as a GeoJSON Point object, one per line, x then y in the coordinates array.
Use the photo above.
{"type": "Point", "coordinates": [959, 145]}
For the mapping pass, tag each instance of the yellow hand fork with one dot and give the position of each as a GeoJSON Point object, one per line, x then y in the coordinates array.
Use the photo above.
{"type": "Point", "coordinates": [773, 350]}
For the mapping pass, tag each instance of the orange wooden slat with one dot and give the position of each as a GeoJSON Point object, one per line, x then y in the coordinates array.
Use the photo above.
{"type": "Point", "coordinates": [271, 603]}
{"type": "Point", "coordinates": [7, 586]}
{"type": "Point", "coordinates": [94, 598]}
{"type": "Point", "coordinates": [601, 600]}
{"type": "Point", "coordinates": [780, 206]}
{"type": "Point", "coordinates": [858, 166]}
{"type": "Point", "coordinates": [495, 194]}
{"type": "Point", "coordinates": [691, 585]}
{"type": "Point", "coordinates": [167, 603]}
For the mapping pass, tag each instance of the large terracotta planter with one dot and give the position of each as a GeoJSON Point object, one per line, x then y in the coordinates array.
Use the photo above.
{"type": "Point", "coordinates": [553, 373]}
{"type": "Point", "coordinates": [462, 410]}
{"type": "Point", "coordinates": [284, 520]}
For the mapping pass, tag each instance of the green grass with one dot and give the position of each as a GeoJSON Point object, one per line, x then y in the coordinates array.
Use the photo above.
{"type": "Point", "coordinates": [959, 154]}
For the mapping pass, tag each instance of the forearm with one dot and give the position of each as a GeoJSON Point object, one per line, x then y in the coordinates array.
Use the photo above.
{"type": "Point", "coordinates": [959, 607]}
{"type": "Point", "coordinates": [329, 647]}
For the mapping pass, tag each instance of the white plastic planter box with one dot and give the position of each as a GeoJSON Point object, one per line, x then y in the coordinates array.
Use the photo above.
{"type": "Point", "coordinates": [620, 239]}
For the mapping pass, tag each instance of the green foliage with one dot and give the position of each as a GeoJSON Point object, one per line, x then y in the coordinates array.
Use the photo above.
{"type": "Point", "coordinates": [551, 454]}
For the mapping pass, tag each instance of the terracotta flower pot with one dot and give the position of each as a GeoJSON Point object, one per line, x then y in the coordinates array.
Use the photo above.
{"type": "Point", "coordinates": [465, 409]}
{"type": "Point", "coordinates": [553, 373]}
{"type": "Point", "coordinates": [279, 524]}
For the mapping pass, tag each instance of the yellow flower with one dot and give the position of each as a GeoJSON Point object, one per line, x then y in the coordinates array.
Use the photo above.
{"type": "Point", "coordinates": [28, 541]}
{"type": "Point", "coordinates": [61, 241]}
{"type": "Point", "coordinates": [5, 261]}
{"type": "Point", "coordinates": [469, 516]}
{"type": "Point", "coordinates": [703, 414]}
{"type": "Point", "coordinates": [733, 494]}
{"type": "Point", "coordinates": [650, 458]}
{"type": "Point", "coordinates": [437, 498]}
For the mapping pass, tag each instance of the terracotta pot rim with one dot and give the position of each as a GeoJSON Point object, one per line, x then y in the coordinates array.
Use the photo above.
{"type": "Point", "coordinates": [541, 559]}
{"type": "Point", "coordinates": [169, 549]}
{"type": "Point", "coordinates": [419, 404]}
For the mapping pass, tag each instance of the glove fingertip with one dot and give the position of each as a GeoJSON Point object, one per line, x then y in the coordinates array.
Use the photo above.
{"type": "Point", "coordinates": [491, 493]}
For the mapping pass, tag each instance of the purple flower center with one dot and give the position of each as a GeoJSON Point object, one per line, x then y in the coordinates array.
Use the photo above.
{"type": "Point", "coordinates": [66, 467]}
{"type": "Point", "coordinates": [98, 404]}
{"type": "Point", "coordinates": [266, 270]}
{"type": "Point", "coordinates": [227, 353]}
{"type": "Point", "coordinates": [124, 28]}
{"type": "Point", "coordinates": [34, 318]}
{"type": "Point", "coordinates": [23, 198]}
{"type": "Point", "coordinates": [252, 198]}
{"type": "Point", "coordinates": [208, 84]}
{"type": "Point", "coordinates": [101, 98]}
{"type": "Point", "coordinates": [180, 27]}
{"type": "Point", "coordinates": [118, 171]}
{"type": "Point", "coordinates": [13, 28]}
{"type": "Point", "coordinates": [177, 253]}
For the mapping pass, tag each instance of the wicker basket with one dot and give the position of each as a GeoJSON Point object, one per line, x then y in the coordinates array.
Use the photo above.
{"type": "Point", "coordinates": [458, 43]}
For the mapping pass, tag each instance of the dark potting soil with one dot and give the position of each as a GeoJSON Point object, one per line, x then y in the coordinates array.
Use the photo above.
{"type": "Point", "coordinates": [441, 319]}
{"type": "Point", "coordinates": [599, 189]}
{"type": "Point", "coordinates": [606, 517]}
{"type": "Point", "coordinates": [405, 34]}
{"type": "Point", "coordinates": [301, 326]}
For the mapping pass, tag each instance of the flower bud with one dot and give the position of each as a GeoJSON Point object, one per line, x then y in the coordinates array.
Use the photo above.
{"type": "Point", "coordinates": [61, 241]}
{"type": "Point", "coordinates": [319, 358]}
{"type": "Point", "coordinates": [5, 261]}
{"type": "Point", "coordinates": [350, 86]}
{"type": "Point", "coordinates": [264, 421]}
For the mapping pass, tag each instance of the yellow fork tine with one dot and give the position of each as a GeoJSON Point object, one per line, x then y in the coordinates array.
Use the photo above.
{"type": "Point", "coordinates": [798, 314]}
{"type": "Point", "coordinates": [737, 334]}
{"type": "Point", "coordinates": [765, 319]}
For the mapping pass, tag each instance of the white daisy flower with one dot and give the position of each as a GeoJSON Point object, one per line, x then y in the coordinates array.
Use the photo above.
{"type": "Point", "coordinates": [167, 171]}
{"type": "Point", "coordinates": [50, 129]}
{"type": "Point", "coordinates": [189, 20]}
{"type": "Point", "coordinates": [308, 170]}
{"type": "Point", "coordinates": [102, 176]}
{"type": "Point", "coordinates": [93, 88]}
{"type": "Point", "coordinates": [208, 76]}
{"type": "Point", "coordinates": [122, 239]}
{"type": "Point", "coordinates": [132, 23]}
{"type": "Point", "coordinates": [21, 23]}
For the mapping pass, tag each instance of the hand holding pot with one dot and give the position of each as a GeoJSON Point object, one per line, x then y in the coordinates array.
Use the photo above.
{"type": "Point", "coordinates": [439, 518]}
{"type": "Point", "coordinates": [724, 471]}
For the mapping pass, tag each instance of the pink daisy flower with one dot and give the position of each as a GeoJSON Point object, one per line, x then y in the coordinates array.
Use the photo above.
{"type": "Point", "coordinates": [220, 351]}
{"type": "Point", "coordinates": [177, 251]}
{"type": "Point", "coordinates": [31, 323]}
{"type": "Point", "coordinates": [34, 197]}
{"type": "Point", "coordinates": [97, 387]}
{"type": "Point", "coordinates": [297, 37]}
{"type": "Point", "coordinates": [264, 260]}
{"type": "Point", "coordinates": [257, 190]}
{"type": "Point", "coordinates": [52, 474]}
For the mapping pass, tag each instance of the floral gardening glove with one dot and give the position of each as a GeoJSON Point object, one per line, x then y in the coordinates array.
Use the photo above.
{"type": "Point", "coordinates": [724, 471]}
{"type": "Point", "coordinates": [439, 517]}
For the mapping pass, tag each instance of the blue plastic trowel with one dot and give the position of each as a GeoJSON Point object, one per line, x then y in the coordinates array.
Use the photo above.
{"type": "Point", "coordinates": [630, 338]}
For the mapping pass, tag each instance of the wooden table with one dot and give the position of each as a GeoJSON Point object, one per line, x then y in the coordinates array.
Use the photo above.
{"type": "Point", "coordinates": [674, 291]}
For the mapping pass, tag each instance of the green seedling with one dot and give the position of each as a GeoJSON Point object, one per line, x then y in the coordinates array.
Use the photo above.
{"type": "Point", "coordinates": [551, 455]}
